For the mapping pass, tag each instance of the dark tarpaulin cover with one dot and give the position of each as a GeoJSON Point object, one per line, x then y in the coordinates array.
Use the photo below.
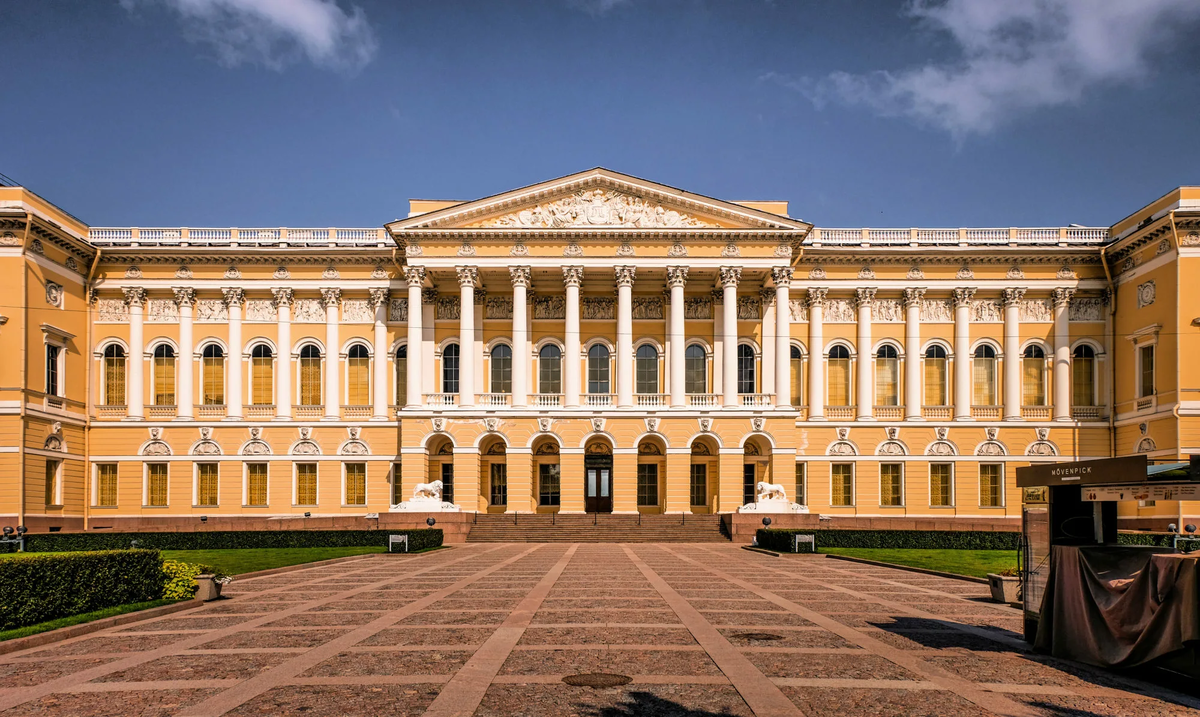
{"type": "Point", "coordinates": [1119, 606]}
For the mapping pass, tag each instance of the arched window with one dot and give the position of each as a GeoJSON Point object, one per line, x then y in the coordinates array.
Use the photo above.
{"type": "Point", "coordinates": [358, 376]}
{"type": "Point", "coordinates": [502, 369]}
{"type": "Point", "coordinates": [745, 369]}
{"type": "Point", "coordinates": [598, 369]}
{"type": "Point", "coordinates": [645, 370]}
{"type": "Point", "coordinates": [935, 376]}
{"type": "Point", "coordinates": [984, 376]}
{"type": "Point", "coordinates": [213, 381]}
{"type": "Point", "coordinates": [114, 375]}
{"type": "Point", "coordinates": [310, 376]}
{"type": "Point", "coordinates": [550, 370]}
{"type": "Point", "coordinates": [839, 376]}
{"type": "Point", "coordinates": [164, 375]}
{"type": "Point", "coordinates": [402, 376]}
{"type": "Point", "coordinates": [695, 369]}
{"type": "Point", "coordinates": [1083, 376]}
{"type": "Point", "coordinates": [887, 376]}
{"type": "Point", "coordinates": [262, 376]}
{"type": "Point", "coordinates": [450, 369]}
{"type": "Point", "coordinates": [1033, 377]}
{"type": "Point", "coordinates": [796, 375]}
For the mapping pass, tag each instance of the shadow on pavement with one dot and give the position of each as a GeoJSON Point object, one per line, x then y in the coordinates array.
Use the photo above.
{"type": "Point", "coordinates": [646, 704]}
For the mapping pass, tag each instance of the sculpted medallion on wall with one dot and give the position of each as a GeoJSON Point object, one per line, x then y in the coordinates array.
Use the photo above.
{"type": "Point", "coordinates": [1145, 294]}
{"type": "Point", "coordinates": [596, 208]}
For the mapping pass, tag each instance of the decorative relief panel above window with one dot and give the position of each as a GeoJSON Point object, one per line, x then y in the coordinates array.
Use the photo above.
{"type": "Point", "coordinates": [211, 310]}
{"type": "Point", "coordinates": [112, 311]}
{"type": "Point", "coordinates": [260, 310]}
{"type": "Point", "coordinates": [398, 310]}
{"type": "Point", "coordinates": [357, 311]}
{"type": "Point", "coordinates": [697, 307]}
{"type": "Point", "coordinates": [597, 308]}
{"type": "Point", "coordinates": [308, 311]}
{"type": "Point", "coordinates": [749, 308]}
{"type": "Point", "coordinates": [446, 308]}
{"type": "Point", "coordinates": [498, 307]}
{"type": "Point", "coordinates": [986, 311]}
{"type": "Point", "coordinates": [839, 311]}
{"type": "Point", "coordinates": [799, 309]}
{"type": "Point", "coordinates": [1036, 310]}
{"type": "Point", "coordinates": [937, 311]}
{"type": "Point", "coordinates": [549, 307]}
{"type": "Point", "coordinates": [1086, 310]}
{"type": "Point", "coordinates": [651, 307]}
{"type": "Point", "coordinates": [887, 311]}
{"type": "Point", "coordinates": [163, 311]}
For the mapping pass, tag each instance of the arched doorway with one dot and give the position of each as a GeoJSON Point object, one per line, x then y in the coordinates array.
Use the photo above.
{"type": "Point", "coordinates": [704, 475]}
{"type": "Point", "coordinates": [493, 474]}
{"type": "Point", "coordinates": [651, 474]}
{"type": "Point", "coordinates": [756, 467]}
{"type": "Point", "coordinates": [441, 467]}
{"type": "Point", "coordinates": [547, 475]}
{"type": "Point", "coordinates": [597, 471]}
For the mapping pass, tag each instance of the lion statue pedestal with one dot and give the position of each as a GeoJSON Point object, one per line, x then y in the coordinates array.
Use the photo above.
{"type": "Point", "coordinates": [771, 498]}
{"type": "Point", "coordinates": [426, 498]}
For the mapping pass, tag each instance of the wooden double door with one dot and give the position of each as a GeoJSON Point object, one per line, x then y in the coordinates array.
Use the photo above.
{"type": "Point", "coordinates": [597, 488]}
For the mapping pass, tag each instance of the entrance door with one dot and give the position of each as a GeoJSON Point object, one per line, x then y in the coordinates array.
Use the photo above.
{"type": "Point", "coordinates": [598, 484]}
{"type": "Point", "coordinates": [749, 490]}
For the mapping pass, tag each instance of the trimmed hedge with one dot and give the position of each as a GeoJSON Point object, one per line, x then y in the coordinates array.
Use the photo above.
{"type": "Point", "coordinates": [230, 539]}
{"type": "Point", "coordinates": [234, 539]}
{"type": "Point", "coordinates": [38, 588]}
{"type": "Point", "coordinates": [781, 539]}
{"type": "Point", "coordinates": [1157, 540]}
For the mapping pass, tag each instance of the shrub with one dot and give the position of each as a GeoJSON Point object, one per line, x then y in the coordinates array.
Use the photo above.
{"type": "Point", "coordinates": [781, 539]}
{"type": "Point", "coordinates": [227, 539]}
{"type": "Point", "coordinates": [38, 588]}
{"type": "Point", "coordinates": [180, 579]}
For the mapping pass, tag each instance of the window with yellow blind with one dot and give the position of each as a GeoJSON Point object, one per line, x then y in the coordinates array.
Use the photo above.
{"type": "Point", "coordinates": [306, 484]}
{"type": "Point", "coordinates": [935, 376]}
{"type": "Point", "coordinates": [53, 483]}
{"type": "Point", "coordinates": [801, 484]}
{"type": "Point", "coordinates": [887, 376]}
{"type": "Point", "coordinates": [401, 362]}
{"type": "Point", "coordinates": [164, 375]}
{"type": "Point", "coordinates": [1033, 377]}
{"type": "Point", "coordinates": [1083, 376]}
{"type": "Point", "coordinates": [991, 482]}
{"type": "Point", "coordinates": [114, 376]}
{"type": "Point", "coordinates": [984, 376]}
{"type": "Point", "coordinates": [206, 484]}
{"type": "Point", "coordinates": [1146, 371]}
{"type": "Point", "coordinates": [310, 376]}
{"type": "Point", "coordinates": [842, 485]}
{"type": "Point", "coordinates": [941, 485]}
{"type": "Point", "coordinates": [106, 485]}
{"type": "Point", "coordinates": [256, 484]}
{"type": "Point", "coordinates": [797, 376]}
{"type": "Point", "coordinates": [212, 368]}
{"type": "Point", "coordinates": [262, 376]}
{"type": "Point", "coordinates": [839, 376]}
{"type": "Point", "coordinates": [358, 376]}
{"type": "Point", "coordinates": [156, 485]}
{"type": "Point", "coordinates": [891, 484]}
{"type": "Point", "coordinates": [356, 484]}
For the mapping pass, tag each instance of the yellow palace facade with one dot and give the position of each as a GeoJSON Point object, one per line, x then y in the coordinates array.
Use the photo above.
{"type": "Point", "coordinates": [593, 343]}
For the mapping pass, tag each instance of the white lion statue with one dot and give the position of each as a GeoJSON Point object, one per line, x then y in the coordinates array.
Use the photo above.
{"type": "Point", "coordinates": [770, 491]}
{"type": "Point", "coordinates": [429, 491]}
{"type": "Point", "coordinates": [771, 498]}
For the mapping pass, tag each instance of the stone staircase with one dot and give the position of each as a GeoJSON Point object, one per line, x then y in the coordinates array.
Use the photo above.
{"type": "Point", "coordinates": [595, 528]}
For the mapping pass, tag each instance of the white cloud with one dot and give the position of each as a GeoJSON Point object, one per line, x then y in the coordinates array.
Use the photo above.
{"type": "Point", "coordinates": [1017, 56]}
{"type": "Point", "coordinates": [276, 33]}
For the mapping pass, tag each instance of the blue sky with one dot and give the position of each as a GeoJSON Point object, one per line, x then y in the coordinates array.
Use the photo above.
{"type": "Point", "coordinates": [336, 112]}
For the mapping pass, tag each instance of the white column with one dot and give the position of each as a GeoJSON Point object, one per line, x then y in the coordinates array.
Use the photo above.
{"type": "Point", "coordinates": [468, 278]}
{"type": "Point", "coordinates": [866, 356]}
{"type": "Point", "coordinates": [676, 279]}
{"type": "Point", "coordinates": [186, 390]}
{"type": "Point", "coordinates": [134, 397]}
{"type": "Point", "coordinates": [415, 276]}
{"type": "Point", "coordinates": [782, 276]}
{"type": "Point", "coordinates": [379, 382]}
{"type": "Point", "coordinates": [816, 354]}
{"type": "Point", "coordinates": [283, 364]}
{"type": "Point", "coordinates": [1012, 354]}
{"type": "Point", "coordinates": [625, 276]}
{"type": "Point", "coordinates": [1062, 354]}
{"type": "Point", "coordinates": [730, 276]}
{"type": "Point", "coordinates": [332, 298]}
{"type": "Point", "coordinates": [913, 395]}
{"type": "Point", "coordinates": [962, 353]}
{"type": "Point", "coordinates": [572, 278]}
{"type": "Point", "coordinates": [520, 276]}
{"type": "Point", "coordinates": [766, 315]}
{"type": "Point", "coordinates": [234, 298]}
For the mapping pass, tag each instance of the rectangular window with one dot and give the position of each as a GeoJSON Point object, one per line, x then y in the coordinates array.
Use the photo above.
{"type": "Point", "coordinates": [310, 380]}
{"type": "Point", "coordinates": [306, 484]}
{"type": "Point", "coordinates": [695, 370]}
{"type": "Point", "coordinates": [501, 369]}
{"type": "Point", "coordinates": [256, 484]}
{"type": "Point", "coordinates": [358, 378]}
{"type": "Point", "coordinates": [647, 484]}
{"type": "Point", "coordinates": [940, 485]}
{"type": "Point", "coordinates": [842, 475]}
{"type": "Point", "coordinates": [397, 485]}
{"type": "Point", "coordinates": [262, 380]}
{"type": "Point", "coordinates": [749, 478]}
{"type": "Point", "coordinates": [156, 484]}
{"type": "Point", "coordinates": [214, 380]}
{"type": "Point", "coordinates": [990, 483]}
{"type": "Point", "coordinates": [448, 482]}
{"type": "Point", "coordinates": [891, 485]}
{"type": "Point", "coordinates": [52, 483]}
{"type": "Point", "coordinates": [887, 382]}
{"type": "Point", "coordinates": [106, 485]}
{"type": "Point", "coordinates": [450, 369]}
{"type": "Point", "coordinates": [1146, 384]}
{"type": "Point", "coordinates": [549, 484]}
{"type": "Point", "coordinates": [164, 379]}
{"type": "Point", "coordinates": [549, 372]}
{"type": "Point", "coordinates": [699, 484]}
{"type": "Point", "coordinates": [985, 381]}
{"type": "Point", "coordinates": [839, 382]}
{"type": "Point", "coordinates": [646, 374]}
{"type": "Point", "coordinates": [801, 484]}
{"type": "Point", "coordinates": [935, 382]}
{"type": "Point", "coordinates": [499, 484]}
{"type": "Point", "coordinates": [1034, 381]}
{"type": "Point", "coordinates": [356, 484]}
{"type": "Point", "coordinates": [401, 378]}
{"type": "Point", "coordinates": [206, 484]}
{"type": "Point", "coordinates": [598, 375]}
{"type": "Point", "coordinates": [1083, 381]}
{"type": "Point", "coordinates": [52, 383]}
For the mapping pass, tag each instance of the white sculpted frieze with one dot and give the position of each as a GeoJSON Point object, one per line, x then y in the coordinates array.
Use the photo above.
{"type": "Point", "coordinates": [838, 311]}
{"type": "Point", "coordinates": [211, 310]}
{"type": "Point", "coordinates": [799, 309]}
{"type": "Point", "coordinates": [1086, 310]}
{"type": "Point", "coordinates": [986, 311]}
{"type": "Point", "coordinates": [886, 311]}
{"type": "Point", "coordinates": [446, 308]}
{"type": "Point", "coordinates": [596, 208]}
{"type": "Point", "coordinates": [308, 311]}
{"type": "Point", "coordinates": [1037, 310]}
{"type": "Point", "coordinates": [112, 310]}
{"type": "Point", "coordinates": [647, 307]}
{"type": "Point", "coordinates": [597, 307]}
{"type": "Point", "coordinates": [260, 310]}
{"type": "Point", "coordinates": [398, 310]}
{"type": "Point", "coordinates": [498, 307]}
{"type": "Point", "coordinates": [936, 311]}
{"type": "Point", "coordinates": [748, 308]}
{"type": "Point", "coordinates": [1145, 294]}
{"type": "Point", "coordinates": [162, 311]}
{"type": "Point", "coordinates": [697, 307]}
{"type": "Point", "coordinates": [549, 307]}
{"type": "Point", "coordinates": [357, 311]}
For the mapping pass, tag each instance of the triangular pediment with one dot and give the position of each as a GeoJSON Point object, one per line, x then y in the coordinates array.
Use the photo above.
{"type": "Point", "coordinates": [598, 199]}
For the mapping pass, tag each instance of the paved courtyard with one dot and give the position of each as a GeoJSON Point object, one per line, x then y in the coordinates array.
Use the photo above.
{"type": "Point", "coordinates": [697, 630]}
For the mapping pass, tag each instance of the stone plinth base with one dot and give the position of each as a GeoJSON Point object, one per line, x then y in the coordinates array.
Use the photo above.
{"type": "Point", "coordinates": [743, 526]}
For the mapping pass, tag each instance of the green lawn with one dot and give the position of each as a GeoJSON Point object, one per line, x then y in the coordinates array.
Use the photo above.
{"type": "Point", "coordinates": [77, 619]}
{"type": "Point", "coordinates": [248, 560]}
{"type": "Point", "coordinates": [976, 563]}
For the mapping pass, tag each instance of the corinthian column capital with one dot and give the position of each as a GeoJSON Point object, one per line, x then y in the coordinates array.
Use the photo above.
{"type": "Point", "coordinates": [1062, 297]}
{"type": "Point", "coordinates": [135, 296]}
{"type": "Point", "coordinates": [730, 276]}
{"type": "Point", "coordinates": [379, 297]}
{"type": "Point", "coordinates": [913, 296]}
{"type": "Point", "coordinates": [625, 275]}
{"type": "Point", "coordinates": [184, 296]}
{"type": "Point", "coordinates": [572, 275]}
{"type": "Point", "coordinates": [676, 276]}
{"type": "Point", "coordinates": [331, 297]}
{"type": "Point", "coordinates": [782, 275]}
{"type": "Point", "coordinates": [817, 296]}
{"type": "Point", "coordinates": [233, 296]}
{"type": "Point", "coordinates": [1013, 296]}
{"type": "Point", "coordinates": [520, 275]}
{"type": "Point", "coordinates": [282, 297]}
{"type": "Point", "coordinates": [962, 296]}
{"type": "Point", "coordinates": [467, 276]}
{"type": "Point", "coordinates": [414, 275]}
{"type": "Point", "coordinates": [864, 296]}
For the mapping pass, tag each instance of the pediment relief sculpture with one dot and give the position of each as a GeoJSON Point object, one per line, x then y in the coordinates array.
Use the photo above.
{"type": "Point", "coordinates": [596, 208]}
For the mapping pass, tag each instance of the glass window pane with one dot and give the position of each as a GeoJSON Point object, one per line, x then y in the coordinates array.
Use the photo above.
{"type": "Point", "coordinates": [745, 370]}
{"type": "Point", "coordinates": [550, 370]}
{"type": "Point", "coordinates": [306, 484]}
{"type": "Point", "coordinates": [206, 484]}
{"type": "Point", "coordinates": [262, 377]}
{"type": "Point", "coordinates": [699, 484]}
{"type": "Point", "coordinates": [839, 382]}
{"type": "Point", "coordinates": [256, 484]}
{"type": "Point", "coordinates": [549, 489]}
{"type": "Point", "coordinates": [499, 484]}
{"type": "Point", "coordinates": [156, 477]}
{"type": "Point", "coordinates": [801, 497]}
{"type": "Point", "coordinates": [989, 485]}
{"type": "Point", "coordinates": [356, 484]}
{"type": "Point", "coordinates": [842, 484]}
{"type": "Point", "coordinates": [213, 366]}
{"type": "Point", "coordinates": [502, 369]}
{"type": "Point", "coordinates": [887, 381]}
{"type": "Point", "coordinates": [358, 376]}
{"type": "Point", "coordinates": [646, 370]}
{"type": "Point", "coordinates": [1033, 381]}
{"type": "Point", "coordinates": [695, 369]}
{"type": "Point", "coordinates": [598, 370]}
{"type": "Point", "coordinates": [935, 381]}
{"type": "Point", "coordinates": [106, 485]}
{"type": "Point", "coordinates": [401, 362]}
{"type": "Point", "coordinates": [647, 484]}
{"type": "Point", "coordinates": [114, 376]}
{"type": "Point", "coordinates": [448, 482]}
{"type": "Point", "coordinates": [450, 369]}
{"type": "Point", "coordinates": [940, 484]}
{"type": "Point", "coordinates": [984, 381]}
{"type": "Point", "coordinates": [890, 485]}
{"type": "Point", "coordinates": [1147, 377]}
